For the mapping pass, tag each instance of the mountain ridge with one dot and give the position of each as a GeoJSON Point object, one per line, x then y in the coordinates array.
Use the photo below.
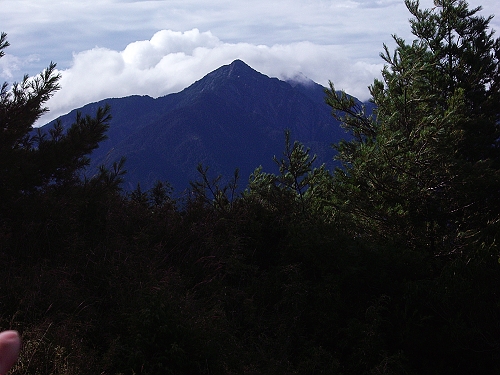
{"type": "Point", "coordinates": [234, 117]}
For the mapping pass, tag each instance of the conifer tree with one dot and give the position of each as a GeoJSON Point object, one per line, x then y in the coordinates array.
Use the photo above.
{"type": "Point", "coordinates": [424, 167]}
{"type": "Point", "coordinates": [300, 186]}
{"type": "Point", "coordinates": [32, 162]}
{"type": "Point", "coordinates": [31, 159]}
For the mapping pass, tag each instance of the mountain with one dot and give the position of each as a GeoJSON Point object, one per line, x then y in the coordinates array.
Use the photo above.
{"type": "Point", "coordinates": [234, 117]}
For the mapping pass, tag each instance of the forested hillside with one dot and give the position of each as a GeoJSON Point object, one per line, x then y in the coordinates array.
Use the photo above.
{"type": "Point", "coordinates": [387, 265]}
{"type": "Point", "coordinates": [233, 118]}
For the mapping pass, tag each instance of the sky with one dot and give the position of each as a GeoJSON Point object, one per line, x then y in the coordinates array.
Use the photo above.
{"type": "Point", "coordinates": [116, 48]}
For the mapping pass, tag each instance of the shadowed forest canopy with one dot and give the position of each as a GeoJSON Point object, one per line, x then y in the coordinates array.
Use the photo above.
{"type": "Point", "coordinates": [387, 265]}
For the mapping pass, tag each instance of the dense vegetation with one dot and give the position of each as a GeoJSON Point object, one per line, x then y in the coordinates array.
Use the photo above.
{"type": "Point", "coordinates": [388, 265]}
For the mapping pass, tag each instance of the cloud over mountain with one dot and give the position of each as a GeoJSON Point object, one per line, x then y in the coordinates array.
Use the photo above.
{"type": "Point", "coordinates": [171, 60]}
{"type": "Point", "coordinates": [122, 47]}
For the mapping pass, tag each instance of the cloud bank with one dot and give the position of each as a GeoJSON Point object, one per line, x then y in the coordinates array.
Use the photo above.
{"type": "Point", "coordinates": [112, 48]}
{"type": "Point", "coordinates": [172, 60]}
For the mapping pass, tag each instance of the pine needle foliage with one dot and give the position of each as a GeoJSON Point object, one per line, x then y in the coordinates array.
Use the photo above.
{"type": "Point", "coordinates": [423, 169]}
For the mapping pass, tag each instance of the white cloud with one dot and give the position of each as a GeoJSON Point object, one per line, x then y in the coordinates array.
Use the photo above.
{"type": "Point", "coordinates": [336, 40]}
{"type": "Point", "coordinates": [147, 54]}
{"type": "Point", "coordinates": [170, 61]}
{"type": "Point", "coordinates": [11, 65]}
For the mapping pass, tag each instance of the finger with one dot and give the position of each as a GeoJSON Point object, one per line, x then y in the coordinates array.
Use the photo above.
{"type": "Point", "coordinates": [10, 344]}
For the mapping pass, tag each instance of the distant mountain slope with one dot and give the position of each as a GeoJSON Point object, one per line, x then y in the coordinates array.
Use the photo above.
{"type": "Point", "coordinates": [234, 117]}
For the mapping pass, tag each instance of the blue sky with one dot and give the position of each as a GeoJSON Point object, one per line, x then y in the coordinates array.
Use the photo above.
{"type": "Point", "coordinates": [114, 48]}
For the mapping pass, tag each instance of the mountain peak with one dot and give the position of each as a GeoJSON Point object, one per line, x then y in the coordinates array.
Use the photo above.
{"type": "Point", "coordinates": [238, 67]}
{"type": "Point", "coordinates": [234, 117]}
{"type": "Point", "coordinates": [237, 70]}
